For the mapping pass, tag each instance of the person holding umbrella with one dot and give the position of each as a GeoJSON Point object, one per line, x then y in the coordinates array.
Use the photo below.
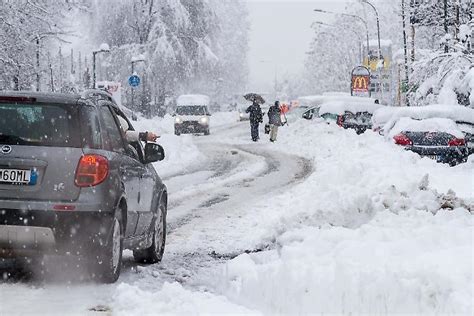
{"type": "Point", "coordinates": [256, 115]}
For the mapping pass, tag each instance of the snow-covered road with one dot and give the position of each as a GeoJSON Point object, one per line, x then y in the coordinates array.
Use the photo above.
{"type": "Point", "coordinates": [209, 221]}
{"type": "Point", "coordinates": [323, 221]}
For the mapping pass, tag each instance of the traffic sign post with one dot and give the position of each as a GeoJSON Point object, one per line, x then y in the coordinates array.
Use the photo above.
{"type": "Point", "coordinates": [134, 81]}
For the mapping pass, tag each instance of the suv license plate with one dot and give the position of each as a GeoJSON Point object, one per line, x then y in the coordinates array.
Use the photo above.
{"type": "Point", "coordinates": [433, 157]}
{"type": "Point", "coordinates": [15, 176]}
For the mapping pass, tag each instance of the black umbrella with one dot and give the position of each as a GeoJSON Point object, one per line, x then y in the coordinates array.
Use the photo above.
{"type": "Point", "coordinates": [254, 97]}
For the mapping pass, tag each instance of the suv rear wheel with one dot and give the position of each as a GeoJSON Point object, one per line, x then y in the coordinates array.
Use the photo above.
{"type": "Point", "coordinates": [154, 253]}
{"type": "Point", "coordinates": [109, 257]}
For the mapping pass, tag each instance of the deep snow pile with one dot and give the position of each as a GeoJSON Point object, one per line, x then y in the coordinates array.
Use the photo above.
{"type": "Point", "coordinates": [366, 233]}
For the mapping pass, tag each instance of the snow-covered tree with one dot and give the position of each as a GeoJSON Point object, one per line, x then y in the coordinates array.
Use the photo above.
{"type": "Point", "coordinates": [188, 45]}
{"type": "Point", "coordinates": [26, 29]}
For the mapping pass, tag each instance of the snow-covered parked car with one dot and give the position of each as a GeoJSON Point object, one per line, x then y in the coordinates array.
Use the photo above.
{"type": "Point", "coordinates": [385, 117]}
{"type": "Point", "coordinates": [350, 115]}
{"type": "Point", "coordinates": [192, 114]}
{"type": "Point", "coordinates": [437, 138]}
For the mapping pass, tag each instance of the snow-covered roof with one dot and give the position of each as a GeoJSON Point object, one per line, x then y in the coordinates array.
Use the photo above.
{"type": "Point", "coordinates": [340, 107]}
{"type": "Point", "coordinates": [316, 100]}
{"type": "Point", "coordinates": [337, 93]}
{"type": "Point", "coordinates": [193, 99]}
{"type": "Point", "coordinates": [406, 124]}
{"type": "Point", "coordinates": [457, 113]}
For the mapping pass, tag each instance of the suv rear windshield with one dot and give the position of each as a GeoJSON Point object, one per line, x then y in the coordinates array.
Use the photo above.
{"type": "Point", "coordinates": [38, 125]}
{"type": "Point", "coordinates": [191, 110]}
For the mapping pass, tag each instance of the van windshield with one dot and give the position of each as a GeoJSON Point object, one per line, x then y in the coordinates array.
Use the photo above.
{"type": "Point", "coordinates": [38, 125]}
{"type": "Point", "coordinates": [191, 110]}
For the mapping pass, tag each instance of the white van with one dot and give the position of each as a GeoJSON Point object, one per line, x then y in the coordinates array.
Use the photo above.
{"type": "Point", "coordinates": [192, 114]}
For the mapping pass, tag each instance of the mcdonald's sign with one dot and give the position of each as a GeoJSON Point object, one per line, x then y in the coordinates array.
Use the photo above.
{"type": "Point", "coordinates": [360, 82]}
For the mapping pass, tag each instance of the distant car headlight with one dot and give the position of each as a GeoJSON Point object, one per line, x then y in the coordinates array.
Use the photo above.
{"type": "Point", "coordinates": [241, 114]}
{"type": "Point", "coordinates": [178, 120]}
{"type": "Point", "coordinates": [204, 120]}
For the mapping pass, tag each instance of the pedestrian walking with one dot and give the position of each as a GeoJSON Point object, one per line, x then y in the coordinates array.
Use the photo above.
{"type": "Point", "coordinates": [256, 117]}
{"type": "Point", "coordinates": [274, 120]}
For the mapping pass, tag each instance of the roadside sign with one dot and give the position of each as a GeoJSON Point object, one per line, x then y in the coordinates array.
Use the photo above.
{"type": "Point", "coordinates": [134, 81]}
{"type": "Point", "coordinates": [360, 82]}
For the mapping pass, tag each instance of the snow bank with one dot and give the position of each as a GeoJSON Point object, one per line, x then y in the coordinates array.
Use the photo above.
{"type": "Point", "coordinates": [172, 299]}
{"type": "Point", "coordinates": [340, 107]}
{"type": "Point", "coordinates": [193, 99]}
{"type": "Point", "coordinates": [394, 264]}
{"type": "Point", "coordinates": [406, 124]}
{"type": "Point", "coordinates": [366, 233]}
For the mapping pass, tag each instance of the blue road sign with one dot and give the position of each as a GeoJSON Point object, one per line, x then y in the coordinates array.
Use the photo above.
{"type": "Point", "coordinates": [134, 81]}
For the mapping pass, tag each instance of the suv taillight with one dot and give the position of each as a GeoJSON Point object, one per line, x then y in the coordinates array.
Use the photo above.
{"type": "Point", "coordinates": [402, 139]}
{"type": "Point", "coordinates": [91, 170]}
{"type": "Point", "coordinates": [457, 142]}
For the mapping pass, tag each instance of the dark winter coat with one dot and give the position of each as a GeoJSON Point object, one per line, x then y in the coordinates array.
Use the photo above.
{"type": "Point", "coordinates": [256, 115]}
{"type": "Point", "coordinates": [274, 115]}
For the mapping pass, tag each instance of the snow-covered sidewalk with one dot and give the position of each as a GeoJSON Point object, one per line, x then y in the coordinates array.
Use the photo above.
{"type": "Point", "coordinates": [364, 234]}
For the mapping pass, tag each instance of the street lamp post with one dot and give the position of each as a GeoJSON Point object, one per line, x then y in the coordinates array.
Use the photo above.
{"type": "Point", "coordinates": [137, 59]}
{"type": "Point", "coordinates": [104, 48]}
{"type": "Point", "coordinates": [364, 22]}
{"type": "Point", "coordinates": [378, 25]}
{"type": "Point", "coordinates": [356, 34]}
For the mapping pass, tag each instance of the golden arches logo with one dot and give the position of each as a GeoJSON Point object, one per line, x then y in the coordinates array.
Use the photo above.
{"type": "Point", "coordinates": [360, 83]}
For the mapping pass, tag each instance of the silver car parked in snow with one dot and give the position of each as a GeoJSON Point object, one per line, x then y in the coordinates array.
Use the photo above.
{"type": "Point", "coordinates": [70, 182]}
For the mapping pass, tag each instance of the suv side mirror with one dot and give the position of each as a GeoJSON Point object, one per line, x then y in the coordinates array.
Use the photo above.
{"type": "Point", "coordinates": [154, 153]}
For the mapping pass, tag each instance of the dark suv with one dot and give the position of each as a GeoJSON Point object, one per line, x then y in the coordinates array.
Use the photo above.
{"type": "Point", "coordinates": [70, 182]}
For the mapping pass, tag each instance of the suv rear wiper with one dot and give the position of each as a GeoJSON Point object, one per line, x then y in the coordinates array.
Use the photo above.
{"type": "Point", "coordinates": [12, 140]}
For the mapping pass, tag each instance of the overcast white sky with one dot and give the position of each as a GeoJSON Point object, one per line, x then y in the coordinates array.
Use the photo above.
{"type": "Point", "coordinates": [280, 36]}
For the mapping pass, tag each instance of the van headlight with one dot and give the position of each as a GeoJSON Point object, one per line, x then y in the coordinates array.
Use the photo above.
{"type": "Point", "coordinates": [178, 120]}
{"type": "Point", "coordinates": [204, 120]}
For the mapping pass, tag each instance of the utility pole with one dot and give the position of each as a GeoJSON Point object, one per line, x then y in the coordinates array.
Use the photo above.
{"type": "Point", "coordinates": [135, 60]}
{"type": "Point", "coordinates": [60, 70]}
{"type": "Point", "coordinates": [413, 43]}
{"type": "Point", "coordinates": [38, 79]}
{"type": "Point", "coordinates": [446, 30]}
{"type": "Point", "coordinates": [51, 78]}
{"type": "Point", "coordinates": [73, 71]}
{"type": "Point", "coordinates": [405, 48]}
